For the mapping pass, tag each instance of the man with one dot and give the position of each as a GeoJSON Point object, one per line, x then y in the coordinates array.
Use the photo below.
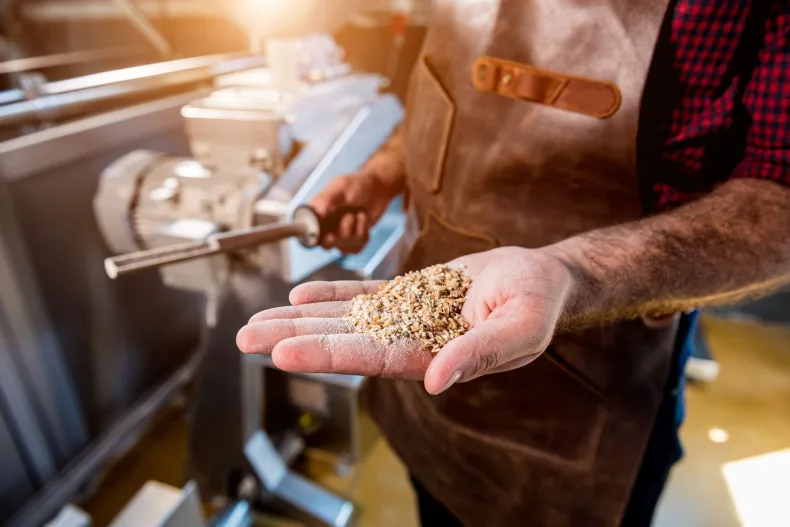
{"type": "Point", "coordinates": [584, 223]}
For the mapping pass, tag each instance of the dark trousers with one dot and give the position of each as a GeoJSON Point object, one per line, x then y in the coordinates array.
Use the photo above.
{"type": "Point", "coordinates": [663, 449]}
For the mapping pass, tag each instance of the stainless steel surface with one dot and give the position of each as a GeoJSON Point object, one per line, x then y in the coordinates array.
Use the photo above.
{"type": "Point", "coordinates": [209, 65]}
{"type": "Point", "coordinates": [88, 138]}
{"type": "Point", "coordinates": [84, 468]}
{"type": "Point", "coordinates": [144, 26]}
{"type": "Point", "coordinates": [12, 95]}
{"type": "Point", "coordinates": [238, 514]}
{"type": "Point", "coordinates": [61, 98]}
{"type": "Point", "coordinates": [36, 388]}
{"type": "Point", "coordinates": [160, 505]}
{"type": "Point", "coordinates": [240, 177]}
{"type": "Point", "coordinates": [154, 258]}
{"type": "Point", "coordinates": [214, 244]}
{"type": "Point", "coordinates": [241, 130]}
{"type": "Point", "coordinates": [332, 399]}
{"type": "Point", "coordinates": [317, 501]}
{"type": "Point", "coordinates": [99, 10]}
{"type": "Point", "coordinates": [118, 340]}
{"type": "Point", "coordinates": [16, 485]}
{"type": "Point", "coordinates": [258, 155]}
{"type": "Point", "coordinates": [294, 489]}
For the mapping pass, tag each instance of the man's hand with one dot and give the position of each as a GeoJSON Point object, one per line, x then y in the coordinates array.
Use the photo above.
{"type": "Point", "coordinates": [513, 305]}
{"type": "Point", "coordinates": [360, 200]}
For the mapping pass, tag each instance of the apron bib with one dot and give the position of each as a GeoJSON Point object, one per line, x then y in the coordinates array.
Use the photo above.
{"type": "Point", "coordinates": [521, 130]}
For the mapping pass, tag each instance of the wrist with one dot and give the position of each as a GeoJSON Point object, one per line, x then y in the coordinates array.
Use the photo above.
{"type": "Point", "coordinates": [387, 173]}
{"type": "Point", "coordinates": [582, 291]}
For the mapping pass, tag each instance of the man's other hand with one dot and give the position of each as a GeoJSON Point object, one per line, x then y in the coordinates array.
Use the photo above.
{"type": "Point", "coordinates": [359, 200]}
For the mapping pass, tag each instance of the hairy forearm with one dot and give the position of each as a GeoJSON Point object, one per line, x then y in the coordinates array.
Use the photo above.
{"type": "Point", "coordinates": [388, 164]}
{"type": "Point", "coordinates": [730, 244]}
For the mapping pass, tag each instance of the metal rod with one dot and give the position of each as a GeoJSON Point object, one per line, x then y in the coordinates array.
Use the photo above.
{"type": "Point", "coordinates": [65, 59]}
{"type": "Point", "coordinates": [214, 244]}
{"type": "Point", "coordinates": [240, 239]}
{"type": "Point", "coordinates": [62, 97]}
{"type": "Point", "coordinates": [141, 260]}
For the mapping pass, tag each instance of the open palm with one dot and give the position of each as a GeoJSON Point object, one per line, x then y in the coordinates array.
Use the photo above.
{"type": "Point", "coordinates": [513, 305]}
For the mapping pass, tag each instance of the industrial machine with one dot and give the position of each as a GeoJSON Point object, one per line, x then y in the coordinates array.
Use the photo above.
{"type": "Point", "coordinates": [263, 143]}
{"type": "Point", "coordinates": [214, 150]}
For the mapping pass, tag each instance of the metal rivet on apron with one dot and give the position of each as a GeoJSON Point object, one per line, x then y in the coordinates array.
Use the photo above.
{"type": "Point", "coordinates": [481, 72]}
{"type": "Point", "coordinates": [507, 78]}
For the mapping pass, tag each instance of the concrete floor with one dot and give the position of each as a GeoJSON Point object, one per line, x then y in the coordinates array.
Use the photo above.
{"type": "Point", "coordinates": [750, 403]}
{"type": "Point", "coordinates": [722, 481]}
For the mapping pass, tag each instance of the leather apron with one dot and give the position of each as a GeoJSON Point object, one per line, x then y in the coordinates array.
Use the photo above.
{"type": "Point", "coordinates": [521, 130]}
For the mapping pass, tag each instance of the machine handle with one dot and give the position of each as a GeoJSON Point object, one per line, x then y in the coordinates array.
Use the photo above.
{"type": "Point", "coordinates": [329, 223]}
{"type": "Point", "coordinates": [306, 227]}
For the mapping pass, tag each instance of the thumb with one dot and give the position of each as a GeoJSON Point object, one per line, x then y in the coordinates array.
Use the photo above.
{"type": "Point", "coordinates": [471, 355]}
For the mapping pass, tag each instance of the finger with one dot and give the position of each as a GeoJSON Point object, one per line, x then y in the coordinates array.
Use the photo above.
{"type": "Point", "coordinates": [352, 354]}
{"type": "Point", "coordinates": [362, 226]}
{"type": "Point", "coordinates": [331, 291]}
{"type": "Point", "coordinates": [316, 310]}
{"type": "Point", "coordinates": [262, 337]}
{"type": "Point", "coordinates": [347, 226]}
{"type": "Point", "coordinates": [352, 245]}
{"type": "Point", "coordinates": [481, 350]}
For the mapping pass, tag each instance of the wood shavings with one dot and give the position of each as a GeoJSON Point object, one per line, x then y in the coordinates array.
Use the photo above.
{"type": "Point", "coordinates": [422, 305]}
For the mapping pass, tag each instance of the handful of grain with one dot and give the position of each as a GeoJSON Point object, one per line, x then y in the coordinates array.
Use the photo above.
{"type": "Point", "coordinates": [424, 305]}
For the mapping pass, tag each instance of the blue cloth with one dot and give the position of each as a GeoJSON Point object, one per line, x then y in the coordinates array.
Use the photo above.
{"type": "Point", "coordinates": [663, 448]}
{"type": "Point", "coordinates": [685, 340]}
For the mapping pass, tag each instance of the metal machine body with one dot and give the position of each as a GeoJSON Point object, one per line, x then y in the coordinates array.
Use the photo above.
{"type": "Point", "coordinates": [264, 143]}
{"type": "Point", "coordinates": [126, 347]}
{"type": "Point", "coordinates": [259, 153]}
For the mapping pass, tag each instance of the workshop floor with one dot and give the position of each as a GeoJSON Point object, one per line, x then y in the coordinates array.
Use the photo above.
{"type": "Point", "coordinates": [737, 438]}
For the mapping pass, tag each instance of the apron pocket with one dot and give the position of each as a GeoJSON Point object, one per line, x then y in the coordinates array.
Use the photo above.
{"type": "Point", "coordinates": [429, 122]}
{"type": "Point", "coordinates": [542, 410]}
{"type": "Point", "coordinates": [545, 410]}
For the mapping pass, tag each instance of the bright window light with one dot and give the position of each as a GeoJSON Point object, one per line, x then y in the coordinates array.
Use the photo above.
{"type": "Point", "coordinates": [760, 489]}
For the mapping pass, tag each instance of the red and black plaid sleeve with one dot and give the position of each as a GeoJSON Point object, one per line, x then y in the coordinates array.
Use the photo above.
{"type": "Point", "coordinates": [767, 101]}
{"type": "Point", "coordinates": [706, 36]}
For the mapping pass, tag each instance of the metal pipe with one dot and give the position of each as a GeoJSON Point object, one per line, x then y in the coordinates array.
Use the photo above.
{"type": "Point", "coordinates": [64, 59]}
{"type": "Point", "coordinates": [67, 96]}
{"type": "Point", "coordinates": [213, 64]}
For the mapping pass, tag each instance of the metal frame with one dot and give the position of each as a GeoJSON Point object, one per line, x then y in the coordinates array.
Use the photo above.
{"type": "Point", "coordinates": [65, 59]}
{"type": "Point", "coordinates": [58, 98]}
{"type": "Point", "coordinates": [59, 491]}
{"type": "Point", "coordinates": [271, 465]}
{"type": "Point", "coordinates": [46, 150]}
{"type": "Point", "coordinates": [32, 333]}
{"type": "Point", "coordinates": [35, 380]}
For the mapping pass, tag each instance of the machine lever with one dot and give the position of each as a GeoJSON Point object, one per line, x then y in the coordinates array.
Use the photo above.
{"type": "Point", "coordinates": [305, 226]}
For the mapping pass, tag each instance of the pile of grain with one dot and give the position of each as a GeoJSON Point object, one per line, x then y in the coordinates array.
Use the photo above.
{"type": "Point", "coordinates": [422, 305]}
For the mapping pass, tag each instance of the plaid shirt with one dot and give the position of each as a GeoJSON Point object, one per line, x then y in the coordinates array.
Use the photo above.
{"type": "Point", "coordinates": [731, 115]}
